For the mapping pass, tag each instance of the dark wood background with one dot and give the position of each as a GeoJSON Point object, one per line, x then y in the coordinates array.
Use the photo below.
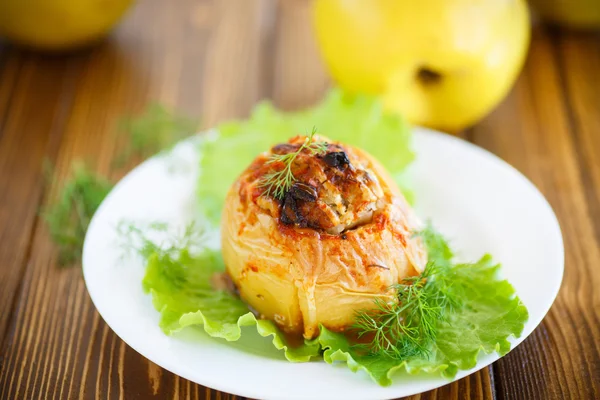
{"type": "Point", "coordinates": [216, 59]}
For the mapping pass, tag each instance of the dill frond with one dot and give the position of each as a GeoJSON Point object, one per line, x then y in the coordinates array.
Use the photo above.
{"type": "Point", "coordinates": [407, 327]}
{"type": "Point", "coordinates": [277, 183]}
{"type": "Point", "coordinates": [68, 218]}
{"type": "Point", "coordinates": [145, 239]}
{"type": "Point", "coordinates": [171, 248]}
{"type": "Point", "coordinates": [155, 130]}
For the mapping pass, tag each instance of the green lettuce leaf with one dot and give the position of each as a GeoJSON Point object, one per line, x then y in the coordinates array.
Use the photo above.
{"type": "Point", "coordinates": [490, 313]}
{"type": "Point", "coordinates": [181, 289]}
{"type": "Point", "coordinates": [354, 119]}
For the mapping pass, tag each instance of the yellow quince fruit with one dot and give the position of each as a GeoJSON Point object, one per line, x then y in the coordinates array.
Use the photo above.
{"type": "Point", "coordinates": [441, 63]}
{"type": "Point", "coordinates": [59, 24]}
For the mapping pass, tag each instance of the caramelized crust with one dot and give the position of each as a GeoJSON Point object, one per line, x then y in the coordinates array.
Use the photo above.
{"type": "Point", "coordinates": [334, 191]}
{"type": "Point", "coordinates": [336, 240]}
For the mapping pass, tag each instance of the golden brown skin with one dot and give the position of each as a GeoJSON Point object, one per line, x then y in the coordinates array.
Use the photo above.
{"type": "Point", "coordinates": [336, 241]}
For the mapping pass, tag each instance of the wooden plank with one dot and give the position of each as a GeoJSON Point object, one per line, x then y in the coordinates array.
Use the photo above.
{"type": "Point", "coordinates": [299, 76]}
{"type": "Point", "coordinates": [235, 76]}
{"type": "Point", "coordinates": [64, 349]}
{"type": "Point", "coordinates": [534, 130]}
{"type": "Point", "coordinates": [578, 59]}
{"type": "Point", "coordinates": [35, 95]}
{"type": "Point", "coordinates": [59, 347]}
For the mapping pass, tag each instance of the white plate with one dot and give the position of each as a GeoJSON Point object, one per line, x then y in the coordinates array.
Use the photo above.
{"type": "Point", "coordinates": [478, 201]}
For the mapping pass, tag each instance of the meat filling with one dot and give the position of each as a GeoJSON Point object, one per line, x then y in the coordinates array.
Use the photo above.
{"type": "Point", "coordinates": [333, 191]}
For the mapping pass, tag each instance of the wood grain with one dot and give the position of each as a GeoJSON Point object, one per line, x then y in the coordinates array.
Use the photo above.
{"type": "Point", "coordinates": [217, 59]}
{"type": "Point", "coordinates": [236, 60]}
{"type": "Point", "coordinates": [57, 346]}
{"type": "Point", "coordinates": [34, 101]}
{"type": "Point", "coordinates": [536, 130]}
{"type": "Point", "coordinates": [299, 78]}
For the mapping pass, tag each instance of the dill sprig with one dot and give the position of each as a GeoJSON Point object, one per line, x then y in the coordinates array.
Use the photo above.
{"type": "Point", "coordinates": [155, 130]}
{"type": "Point", "coordinates": [145, 239]}
{"type": "Point", "coordinates": [407, 327]}
{"type": "Point", "coordinates": [170, 248]}
{"type": "Point", "coordinates": [68, 218]}
{"type": "Point", "coordinates": [277, 183]}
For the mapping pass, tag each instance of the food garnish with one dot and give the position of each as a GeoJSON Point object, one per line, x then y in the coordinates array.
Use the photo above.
{"type": "Point", "coordinates": [487, 313]}
{"type": "Point", "coordinates": [298, 262]}
{"type": "Point", "coordinates": [279, 182]}
{"type": "Point", "coordinates": [155, 129]}
{"type": "Point", "coordinates": [285, 252]}
{"type": "Point", "coordinates": [69, 216]}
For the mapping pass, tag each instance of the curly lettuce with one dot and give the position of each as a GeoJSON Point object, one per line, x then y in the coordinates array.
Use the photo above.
{"type": "Point", "coordinates": [182, 288]}
{"type": "Point", "coordinates": [354, 119]}
{"type": "Point", "coordinates": [182, 291]}
{"type": "Point", "coordinates": [490, 315]}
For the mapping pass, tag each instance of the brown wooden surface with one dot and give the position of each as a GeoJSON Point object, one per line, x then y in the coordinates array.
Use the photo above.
{"type": "Point", "coordinates": [215, 59]}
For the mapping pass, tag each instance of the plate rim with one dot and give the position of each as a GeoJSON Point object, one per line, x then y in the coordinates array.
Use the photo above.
{"type": "Point", "coordinates": [257, 393]}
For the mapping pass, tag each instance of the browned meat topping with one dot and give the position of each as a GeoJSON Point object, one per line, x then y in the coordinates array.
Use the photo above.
{"type": "Point", "coordinates": [336, 159]}
{"type": "Point", "coordinates": [302, 191]}
{"type": "Point", "coordinates": [333, 191]}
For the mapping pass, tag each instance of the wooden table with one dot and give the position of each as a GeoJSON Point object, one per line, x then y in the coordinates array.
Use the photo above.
{"type": "Point", "coordinates": [216, 59]}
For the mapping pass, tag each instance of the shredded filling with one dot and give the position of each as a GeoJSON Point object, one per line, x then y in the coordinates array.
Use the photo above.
{"type": "Point", "coordinates": [332, 192]}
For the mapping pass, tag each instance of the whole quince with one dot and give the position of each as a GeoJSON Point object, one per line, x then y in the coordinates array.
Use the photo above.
{"type": "Point", "coordinates": [441, 63]}
{"type": "Point", "coordinates": [59, 24]}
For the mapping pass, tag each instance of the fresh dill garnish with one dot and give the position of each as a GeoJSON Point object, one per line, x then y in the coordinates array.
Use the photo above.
{"type": "Point", "coordinates": [145, 239]}
{"type": "Point", "coordinates": [68, 218]}
{"type": "Point", "coordinates": [407, 327]}
{"type": "Point", "coordinates": [155, 130]}
{"type": "Point", "coordinates": [169, 249]}
{"type": "Point", "coordinates": [277, 183]}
